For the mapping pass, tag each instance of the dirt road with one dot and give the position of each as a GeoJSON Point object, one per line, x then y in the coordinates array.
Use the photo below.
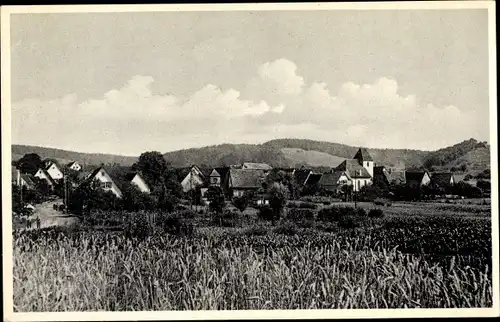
{"type": "Point", "coordinates": [51, 217]}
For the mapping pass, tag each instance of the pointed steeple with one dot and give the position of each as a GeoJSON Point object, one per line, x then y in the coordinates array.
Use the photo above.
{"type": "Point", "coordinates": [362, 155]}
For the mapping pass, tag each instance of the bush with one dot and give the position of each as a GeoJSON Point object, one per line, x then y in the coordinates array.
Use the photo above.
{"type": "Point", "coordinates": [298, 214]}
{"type": "Point", "coordinates": [379, 202]}
{"type": "Point", "coordinates": [174, 224]}
{"type": "Point", "coordinates": [241, 203]}
{"type": "Point", "coordinates": [376, 213]}
{"type": "Point", "coordinates": [138, 227]}
{"type": "Point", "coordinates": [336, 213]}
{"type": "Point", "coordinates": [227, 218]}
{"type": "Point", "coordinates": [265, 213]}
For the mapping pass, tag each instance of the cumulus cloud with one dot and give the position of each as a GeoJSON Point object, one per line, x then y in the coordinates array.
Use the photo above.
{"type": "Point", "coordinates": [275, 103]}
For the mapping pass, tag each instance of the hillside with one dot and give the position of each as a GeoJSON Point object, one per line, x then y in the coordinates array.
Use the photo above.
{"type": "Point", "coordinates": [298, 157]}
{"type": "Point", "coordinates": [289, 153]}
{"type": "Point", "coordinates": [227, 154]}
{"type": "Point", "coordinates": [388, 157]}
{"type": "Point", "coordinates": [64, 156]}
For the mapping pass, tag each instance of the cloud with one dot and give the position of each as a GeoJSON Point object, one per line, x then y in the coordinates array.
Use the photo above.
{"type": "Point", "coordinates": [275, 103]}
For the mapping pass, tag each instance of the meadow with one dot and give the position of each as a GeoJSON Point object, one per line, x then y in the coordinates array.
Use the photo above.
{"type": "Point", "coordinates": [415, 256]}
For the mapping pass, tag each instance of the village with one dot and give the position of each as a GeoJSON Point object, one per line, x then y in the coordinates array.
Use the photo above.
{"type": "Point", "coordinates": [344, 181]}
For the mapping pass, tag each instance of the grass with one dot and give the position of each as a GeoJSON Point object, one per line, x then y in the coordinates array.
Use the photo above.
{"type": "Point", "coordinates": [416, 256]}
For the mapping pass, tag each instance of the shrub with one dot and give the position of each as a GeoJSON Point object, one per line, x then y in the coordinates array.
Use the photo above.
{"type": "Point", "coordinates": [265, 213]}
{"type": "Point", "coordinates": [174, 224]}
{"type": "Point", "coordinates": [379, 202]}
{"type": "Point", "coordinates": [241, 203]}
{"type": "Point", "coordinates": [227, 218]}
{"type": "Point", "coordinates": [376, 213]}
{"type": "Point", "coordinates": [335, 213]}
{"type": "Point", "coordinates": [297, 214]}
{"type": "Point", "coordinates": [215, 196]}
{"type": "Point", "coordinates": [138, 227]}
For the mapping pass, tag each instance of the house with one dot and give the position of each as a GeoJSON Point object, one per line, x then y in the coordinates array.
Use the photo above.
{"type": "Point", "coordinates": [53, 170]}
{"type": "Point", "coordinates": [136, 179]}
{"type": "Point", "coordinates": [106, 182]}
{"type": "Point", "coordinates": [417, 178]}
{"type": "Point", "coordinates": [22, 179]}
{"type": "Point", "coordinates": [192, 177]}
{"type": "Point", "coordinates": [256, 166]}
{"type": "Point", "coordinates": [397, 177]}
{"type": "Point", "coordinates": [313, 179]}
{"type": "Point", "coordinates": [245, 180]}
{"type": "Point", "coordinates": [74, 166]}
{"type": "Point", "coordinates": [333, 181]}
{"type": "Point", "coordinates": [442, 180]}
{"type": "Point", "coordinates": [458, 177]}
{"type": "Point", "coordinates": [301, 175]}
{"type": "Point", "coordinates": [44, 175]}
{"type": "Point", "coordinates": [381, 176]}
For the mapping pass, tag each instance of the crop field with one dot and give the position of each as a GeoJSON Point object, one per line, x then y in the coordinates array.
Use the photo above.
{"type": "Point", "coordinates": [401, 261]}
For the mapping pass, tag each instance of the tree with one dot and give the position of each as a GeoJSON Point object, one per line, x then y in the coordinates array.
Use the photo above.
{"type": "Point", "coordinates": [278, 196]}
{"type": "Point", "coordinates": [29, 163]}
{"type": "Point", "coordinates": [134, 199]}
{"type": "Point", "coordinates": [369, 193]}
{"type": "Point", "coordinates": [215, 197]}
{"type": "Point", "coordinates": [89, 196]}
{"type": "Point", "coordinates": [152, 166]}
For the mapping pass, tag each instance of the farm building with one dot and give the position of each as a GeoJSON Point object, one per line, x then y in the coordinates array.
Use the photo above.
{"type": "Point", "coordinates": [442, 180]}
{"type": "Point", "coordinates": [333, 181]}
{"type": "Point", "coordinates": [313, 179]}
{"type": "Point", "coordinates": [417, 178]}
{"type": "Point", "coordinates": [44, 175]}
{"type": "Point", "coordinates": [301, 176]}
{"type": "Point", "coordinates": [54, 170]}
{"type": "Point", "coordinates": [193, 177]}
{"type": "Point", "coordinates": [244, 180]}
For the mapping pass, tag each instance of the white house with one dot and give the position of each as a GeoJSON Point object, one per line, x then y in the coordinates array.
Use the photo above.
{"type": "Point", "coordinates": [54, 171]}
{"type": "Point", "coordinates": [74, 166]}
{"type": "Point", "coordinates": [192, 179]}
{"type": "Point", "coordinates": [105, 180]}
{"type": "Point", "coordinates": [44, 175]}
{"type": "Point", "coordinates": [136, 179]}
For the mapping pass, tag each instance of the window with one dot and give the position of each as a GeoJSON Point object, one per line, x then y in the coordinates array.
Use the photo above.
{"type": "Point", "coordinates": [106, 185]}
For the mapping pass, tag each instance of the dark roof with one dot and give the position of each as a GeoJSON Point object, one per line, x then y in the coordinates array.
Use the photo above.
{"type": "Point", "coordinates": [397, 177]}
{"type": "Point", "coordinates": [313, 178]}
{"type": "Point", "coordinates": [380, 174]}
{"type": "Point", "coordinates": [71, 163]}
{"type": "Point", "coordinates": [363, 155]}
{"type": "Point", "coordinates": [353, 169]}
{"type": "Point", "coordinates": [414, 176]}
{"type": "Point", "coordinates": [330, 179]}
{"type": "Point", "coordinates": [256, 166]}
{"type": "Point", "coordinates": [459, 177]}
{"type": "Point", "coordinates": [246, 178]}
{"type": "Point", "coordinates": [28, 179]}
{"type": "Point", "coordinates": [321, 169]}
{"type": "Point", "coordinates": [441, 178]}
{"type": "Point", "coordinates": [301, 175]}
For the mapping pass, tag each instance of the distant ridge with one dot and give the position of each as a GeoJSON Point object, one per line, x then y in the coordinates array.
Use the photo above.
{"type": "Point", "coordinates": [287, 153]}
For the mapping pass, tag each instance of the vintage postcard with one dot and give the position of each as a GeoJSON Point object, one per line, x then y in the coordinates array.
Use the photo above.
{"type": "Point", "coordinates": [249, 161]}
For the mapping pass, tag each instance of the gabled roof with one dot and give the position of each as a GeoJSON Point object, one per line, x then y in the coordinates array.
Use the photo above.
{"type": "Point", "coordinates": [221, 171]}
{"type": "Point", "coordinates": [397, 177]}
{"type": "Point", "coordinates": [353, 169]}
{"type": "Point", "coordinates": [414, 176]}
{"type": "Point", "coordinates": [72, 163]}
{"type": "Point", "coordinates": [459, 177]}
{"type": "Point", "coordinates": [47, 175]}
{"type": "Point", "coordinates": [313, 178]}
{"type": "Point", "coordinates": [330, 179]}
{"type": "Point", "coordinates": [363, 155]}
{"type": "Point", "coordinates": [301, 175]}
{"type": "Point", "coordinates": [28, 179]}
{"type": "Point", "coordinates": [256, 166]}
{"type": "Point", "coordinates": [246, 178]}
{"type": "Point", "coordinates": [441, 178]}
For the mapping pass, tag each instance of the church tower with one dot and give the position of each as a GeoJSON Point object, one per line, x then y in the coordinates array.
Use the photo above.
{"type": "Point", "coordinates": [365, 160]}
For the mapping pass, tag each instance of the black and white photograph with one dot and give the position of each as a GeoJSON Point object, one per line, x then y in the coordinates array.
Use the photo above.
{"type": "Point", "coordinates": [254, 160]}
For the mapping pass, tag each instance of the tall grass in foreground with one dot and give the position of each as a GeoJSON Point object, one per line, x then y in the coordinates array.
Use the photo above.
{"type": "Point", "coordinates": [99, 272]}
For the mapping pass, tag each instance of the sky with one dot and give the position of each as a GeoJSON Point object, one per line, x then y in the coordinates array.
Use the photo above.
{"type": "Point", "coordinates": [125, 83]}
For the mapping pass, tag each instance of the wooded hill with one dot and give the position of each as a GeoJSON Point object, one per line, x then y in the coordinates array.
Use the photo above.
{"type": "Point", "coordinates": [469, 155]}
